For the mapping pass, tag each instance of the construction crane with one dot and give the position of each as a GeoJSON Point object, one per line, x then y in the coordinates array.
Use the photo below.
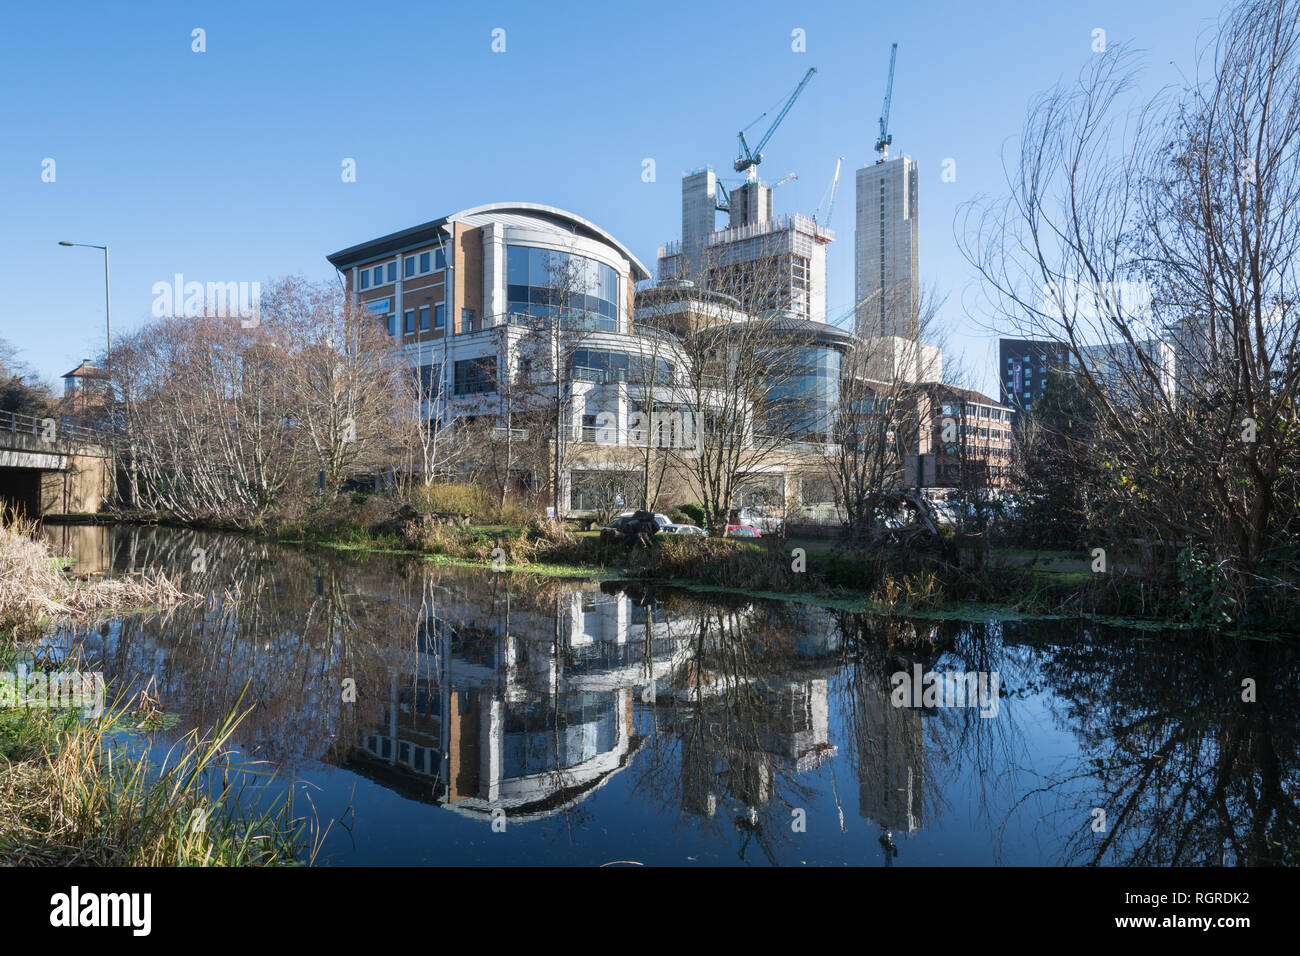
{"type": "Point", "coordinates": [835, 184]}
{"type": "Point", "coordinates": [722, 202]}
{"type": "Point", "coordinates": [749, 159]}
{"type": "Point", "coordinates": [882, 144]}
{"type": "Point", "coordinates": [830, 211]}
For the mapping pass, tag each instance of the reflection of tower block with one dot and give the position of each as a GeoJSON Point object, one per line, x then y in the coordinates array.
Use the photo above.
{"type": "Point", "coordinates": [799, 728]}
{"type": "Point", "coordinates": [751, 778]}
{"type": "Point", "coordinates": [698, 777]}
{"type": "Point", "coordinates": [891, 765]}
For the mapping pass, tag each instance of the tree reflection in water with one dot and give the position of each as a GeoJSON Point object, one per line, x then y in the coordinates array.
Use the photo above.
{"type": "Point", "coordinates": [735, 722]}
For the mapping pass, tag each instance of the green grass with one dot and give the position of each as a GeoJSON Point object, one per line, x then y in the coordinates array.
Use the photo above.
{"type": "Point", "coordinates": [81, 791]}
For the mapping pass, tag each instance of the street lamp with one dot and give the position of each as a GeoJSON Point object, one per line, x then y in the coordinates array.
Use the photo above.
{"type": "Point", "coordinates": [108, 319]}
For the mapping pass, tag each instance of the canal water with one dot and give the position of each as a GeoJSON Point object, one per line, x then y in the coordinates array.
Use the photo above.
{"type": "Point", "coordinates": [450, 716]}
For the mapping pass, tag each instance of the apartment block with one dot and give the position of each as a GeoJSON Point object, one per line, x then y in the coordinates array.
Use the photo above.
{"type": "Point", "coordinates": [964, 438]}
{"type": "Point", "coordinates": [1023, 368]}
{"type": "Point", "coordinates": [766, 262]}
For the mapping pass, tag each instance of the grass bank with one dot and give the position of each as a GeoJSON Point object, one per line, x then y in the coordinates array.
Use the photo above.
{"type": "Point", "coordinates": [77, 791]}
{"type": "Point", "coordinates": [1011, 583]}
{"type": "Point", "coordinates": [77, 785]}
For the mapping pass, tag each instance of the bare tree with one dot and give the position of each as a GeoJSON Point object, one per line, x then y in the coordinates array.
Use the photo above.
{"type": "Point", "coordinates": [214, 421]}
{"type": "Point", "coordinates": [1159, 241]}
{"type": "Point", "coordinates": [876, 427]}
{"type": "Point", "coordinates": [738, 397]}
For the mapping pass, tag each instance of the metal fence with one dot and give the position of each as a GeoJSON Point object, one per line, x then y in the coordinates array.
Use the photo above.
{"type": "Point", "coordinates": [18, 428]}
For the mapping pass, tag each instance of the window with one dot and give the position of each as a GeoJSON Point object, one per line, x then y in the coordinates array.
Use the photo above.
{"type": "Point", "coordinates": [408, 267]}
{"type": "Point", "coordinates": [467, 320]}
{"type": "Point", "coordinates": [476, 375]}
{"type": "Point", "coordinates": [439, 260]}
{"type": "Point", "coordinates": [439, 316]}
{"type": "Point", "coordinates": [430, 380]}
{"type": "Point", "coordinates": [365, 279]}
{"type": "Point", "coordinates": [392, 323]}
{"type": "Point", "coordinates": [424, 262]}
{"type": "Point", "coordinates": [408, 326]}
{"type": "Point", "coordinates": [424, 318]}
{"type": "Point", "coordinates": [542, 283]}
{"type": "Point", "coordinates": [379, 275]}
{"type": "Point", "coordinates": [392, 272]}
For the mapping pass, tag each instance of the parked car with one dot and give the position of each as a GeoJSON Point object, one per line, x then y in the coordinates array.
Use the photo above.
{"type": "Point", "coordinates": [945, 514]}
{"type": "Point", "coordinates": [633, 526]}
{"type": "Point", "coordinates": [683, 529]}
{"type": "Point", "coordinates": [742, 531]}
{"type": "Point", "coordinates": [662, 520]}
{"type": "Point", "coordinates": [761, 519]}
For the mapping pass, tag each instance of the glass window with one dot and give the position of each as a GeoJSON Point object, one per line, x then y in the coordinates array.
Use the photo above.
{"type": "Point", "coordinates": [379, 275]}
{"type": "Point", "coordinates": [365, 279]}
{"type": "Point", "coordinates": [408, 267]}
{"type": "Point", "coordinates": [532, 278]}
{"type": "Point", "coordinates": [392, 272]}
{"type": "Point", "coordinates": [430, 379]}
{"type": "Point", "coordinates": [424, 262]}
{"type": "Point", "coordinates": [476, 375]}
{"type": "Point", "coordinates": [409, 323]}
{"type": "Point", "coordinates": [439, 260]}
{"type": "Point", "coordinates": [539, 267]}
{"type": "Point", "coordinates": [392, 323]}
{"type": "Point", "coordinates": [439, 316]}
{"type": "Point", "coordinates": [517, 265]}
{"type": "Point", "coordinates": [424, 318]}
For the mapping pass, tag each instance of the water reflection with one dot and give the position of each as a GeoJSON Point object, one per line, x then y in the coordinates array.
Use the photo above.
{"type": "Point", "coordinates": [600, 722]}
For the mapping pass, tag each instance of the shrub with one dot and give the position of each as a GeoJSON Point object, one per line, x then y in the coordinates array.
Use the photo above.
{"type": "Point", "coordinates": [450, 498]}
{"type": "Point", "coordinates": [694, 511]}
{"type": "Point", "coordinates": [514, 513]}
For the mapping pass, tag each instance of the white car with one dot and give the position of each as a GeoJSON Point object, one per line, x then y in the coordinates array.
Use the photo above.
{"type": "Point", "coordinates": [764, 519]}
{"type": "Point", "coordinates": [683, 529]}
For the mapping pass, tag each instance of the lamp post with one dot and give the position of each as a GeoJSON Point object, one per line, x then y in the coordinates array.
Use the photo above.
{"type": "Point", "coordinates": [108, 318]}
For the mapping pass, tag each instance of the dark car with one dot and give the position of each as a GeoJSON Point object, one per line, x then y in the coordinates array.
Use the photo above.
{"type": "Point", "coordinates": [626, 529]}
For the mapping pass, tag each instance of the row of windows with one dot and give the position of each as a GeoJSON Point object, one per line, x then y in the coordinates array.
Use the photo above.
{"type": "Point", "coordinates": [544, 283]}
{"type": "Point", "coordinates": [599, 364]}
{"type": "Point", "coordinates": [412, 266]}
{"type": "Point", "coordinates": [410, 316]}
{"type": "Point", "coordinates": [425, 759]}
{"type": "Point", "coordinates": [984, 412]}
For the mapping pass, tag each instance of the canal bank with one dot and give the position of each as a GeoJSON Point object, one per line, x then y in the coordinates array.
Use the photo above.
{"type": "Point", "coordinates": [75, 786]}
{"type": "Point", "coordinates": [440, 714]}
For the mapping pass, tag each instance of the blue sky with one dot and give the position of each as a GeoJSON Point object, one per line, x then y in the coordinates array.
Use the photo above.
{"type": "Point", "coordinates": [225, 165]}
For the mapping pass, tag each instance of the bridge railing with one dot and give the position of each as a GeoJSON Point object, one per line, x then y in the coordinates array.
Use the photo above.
{"type": "Point", "coordinates": [47, 429]}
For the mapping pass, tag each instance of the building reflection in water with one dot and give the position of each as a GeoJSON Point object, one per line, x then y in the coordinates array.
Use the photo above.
{"type": "Point", "coordinates": [530, 709]}
{"type": "Point", "coordinates": [522, 695]}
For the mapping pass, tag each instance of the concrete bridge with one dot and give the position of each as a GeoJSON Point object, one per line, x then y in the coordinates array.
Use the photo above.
{"type": "Point", "coordinates": [51, 467]}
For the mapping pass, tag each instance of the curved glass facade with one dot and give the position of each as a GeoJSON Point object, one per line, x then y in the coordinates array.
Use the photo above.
{"type": "Point", "coordinates": [541, 282]}
{"type": "Point", "coordinates": [599, 365]}
{"type": "Point", "coordinates": [805, 394]}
